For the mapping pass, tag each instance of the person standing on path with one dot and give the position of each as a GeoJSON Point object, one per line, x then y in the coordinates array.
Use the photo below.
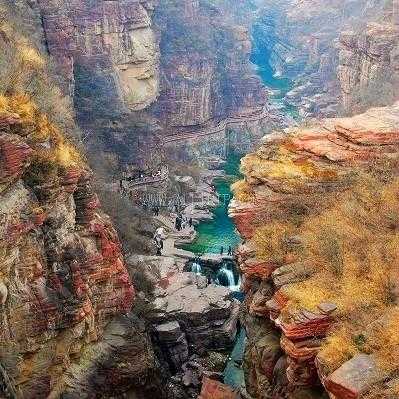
{"type": "Point", "coordinates": [221, 250]}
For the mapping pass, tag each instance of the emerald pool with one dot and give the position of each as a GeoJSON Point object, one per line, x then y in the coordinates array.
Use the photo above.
{"type": "Point", "coordinates": [220, 231]}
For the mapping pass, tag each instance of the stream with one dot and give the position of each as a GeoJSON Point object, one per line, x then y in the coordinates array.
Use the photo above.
{"type": "Point", "coordinates": [220, 231]}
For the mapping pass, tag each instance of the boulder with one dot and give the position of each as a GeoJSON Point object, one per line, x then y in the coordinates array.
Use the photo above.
{"type": "Point", "coordinates": [212, 389]}
{"type": "Point", "coordinates": [353, 378]}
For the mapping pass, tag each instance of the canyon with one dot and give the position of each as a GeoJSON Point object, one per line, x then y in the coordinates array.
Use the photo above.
{"type": "Point", "coordinates": [94, 93]}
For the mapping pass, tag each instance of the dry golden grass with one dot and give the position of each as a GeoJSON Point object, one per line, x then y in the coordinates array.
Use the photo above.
{"type": "Point", "coordinates": [243, 191]}
{"type": "Point", "coordinates": [26, 70]}
{"type": "Point", "coordinates": [382, 339]}
{"type": "Point", "coordinates": [38, 129]}
{"type": "Point", "coordinates": [30, 58]}
{"type": "Point", "coordinates": [28, 91]}
{"type": "Point", "coordinates": [354, 245]}
{"type": "Point", "coordinates": [310, 293]}
{"type": "Point", "coordinates": [281, 164]}
{"type": "Point", "coordinates": [339, 347]}
{"type": "Point", "coordinates": [50, 159]}
{"type": "Point", "coordinates": [271, 241]}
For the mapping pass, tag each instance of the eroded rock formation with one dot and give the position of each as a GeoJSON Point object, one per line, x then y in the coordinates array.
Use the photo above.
{"type": "Point", "coordinates": [294, 175]}
{"type": "Point", "coordinates": [62, 273]}
{"type": "Point", "coordinates": [302, 40]}
{"type": "Point", "coordinates": [112, 42]}
{"type": "Point", "coordinates": [193, 323]}
{"type": "Point", "coordinates": [369, 65]}
{"type": "Point", "coordinates": [129, 93]}
{"type": "Point", "coordinates": [206, 75]}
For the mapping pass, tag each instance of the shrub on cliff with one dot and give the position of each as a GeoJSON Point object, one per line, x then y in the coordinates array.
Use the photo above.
{"type": "Point", "coordinates": [242, 191]}
{"type": "Point", "coordinates": [135, 228]}
{"type": "Point", "coordinates": [354, 245]}
{"type": "Point", "coordinates": [347, 229]}
{"type": "Point", "coordinates": [26, 70]}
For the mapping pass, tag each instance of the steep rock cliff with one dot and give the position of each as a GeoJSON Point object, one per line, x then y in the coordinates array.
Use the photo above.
{"type": "Point", "coordinates": [301, 38]}
{"type": "Point", "coordinates": [369, 66]}
{"type": "Point", "coordinates": [129, 94]}
{"type": "Point", "coordinates": [65, 291]}
{"type": "Point", "coordinates": [314, 210]}
{"type": "Point", "coordinates": [112, 41]}
{"type": "Point", "coordinates": [63, 276]}
{"type": "Point", "coordinates": [206, 75]}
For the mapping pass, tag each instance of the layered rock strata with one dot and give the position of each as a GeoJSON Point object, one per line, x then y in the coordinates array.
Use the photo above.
{"type": "Point", "coordinates": [203, 81]}
{"type": "Point", "coordinates": [207, 84]}
{"type": "Point", "coordinates": [291, 175]}
{"type": "Point", "coordinates": [62, 274]}
{"type": "Point", "coordinates": [113, 41]}
{"type": "Point", "coordinates": [192, 323]}
{"type": "Point", "coordinates": [301, 39]}
{"type": "Point", "coordinates": [369, 65]}
{"type": "Point", "coordinates": [129, 94]}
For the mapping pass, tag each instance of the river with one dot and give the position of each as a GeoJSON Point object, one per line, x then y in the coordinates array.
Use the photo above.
{"type": "Point", "coordinates": [220, 231]}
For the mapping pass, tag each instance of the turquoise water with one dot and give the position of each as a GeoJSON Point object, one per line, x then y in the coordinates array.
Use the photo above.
{"type": "Point", "coordinates": [234, 373]}
{"type": "Point", "coordinates": [260, 58]}
{"type": "Point", "coordinates": [281, 86]}
{"type": "Point", "coordinates": [221, 231]}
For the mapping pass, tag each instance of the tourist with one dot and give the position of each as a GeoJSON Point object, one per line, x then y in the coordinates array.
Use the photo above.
{"type": "Point", "coordinates": [230, 251]}
{"type": "Point", "coordinates": [190, 222]}
{"type": "Point", "coordinates": [178, 223]}
{"type": "Point", "coordinates": [221, 250]}
{"type": "Point", "coordinates": [158, 242]}
{"type": "Point", "coordinates": [184, 222]}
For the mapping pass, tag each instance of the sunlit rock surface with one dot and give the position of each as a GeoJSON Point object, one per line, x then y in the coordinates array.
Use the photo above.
{"type": "Point", "coordinates": [369, 58]}
{"type": "Point", "coordinates": [303, 163]}
{"type": "Point", "coordinates": [62, 277]}
{"type": "Point", "coordinates": [114, 39]}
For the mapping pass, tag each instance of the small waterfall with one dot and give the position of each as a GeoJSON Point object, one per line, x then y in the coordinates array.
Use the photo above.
{"type": "Point", "coordinates": [226, 277]}
{"type": "Point", "coordinates": [196, 268]}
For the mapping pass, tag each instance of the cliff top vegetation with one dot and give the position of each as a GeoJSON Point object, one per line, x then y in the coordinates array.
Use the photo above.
{"type": "Point", "coordinates": [338, 217]}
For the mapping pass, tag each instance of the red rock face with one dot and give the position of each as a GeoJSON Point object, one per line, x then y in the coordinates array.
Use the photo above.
{"type": "Point", "coordinates": [14, 155]}
{"type": "Point", "coordinates": [319, 159]}
{"type": "Point", "coordinates": [353, 378]}
{"type": "Point", "coordinates": [61, 269]}
{"type": "Point", "coordinates": [112, 39]}
{"type": "Point", "coordinates": [367, 58]}
{"type": "Point", "coordinates": [212, 389]}
{"type": "Point", "coordinates": [196, 93]}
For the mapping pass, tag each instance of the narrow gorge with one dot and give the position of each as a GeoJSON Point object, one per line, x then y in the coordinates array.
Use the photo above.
{"type": "Point", "coordinates": [199, 199]}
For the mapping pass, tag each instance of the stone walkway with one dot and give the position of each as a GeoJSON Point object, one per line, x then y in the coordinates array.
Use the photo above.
{"type": "Point", "coordinates": [184, 236]}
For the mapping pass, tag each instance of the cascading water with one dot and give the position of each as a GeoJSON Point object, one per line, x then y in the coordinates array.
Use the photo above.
{"type": "Point", "coordinates": [196, 268]}
{"type": "Point", "coordinates": [227, 278]}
